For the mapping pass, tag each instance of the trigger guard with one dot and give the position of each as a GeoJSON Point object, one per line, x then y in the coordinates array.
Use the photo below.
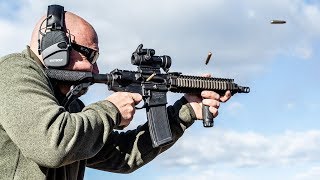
{"type": "Point", "coordinates": [143, 106]}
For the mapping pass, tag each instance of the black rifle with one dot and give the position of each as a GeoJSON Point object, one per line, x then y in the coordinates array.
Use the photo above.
{"type": "Point", "coordinates": [153, 86]}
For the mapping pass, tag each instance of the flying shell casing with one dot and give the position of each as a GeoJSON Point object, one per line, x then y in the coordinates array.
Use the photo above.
{"type": "Point", "coordinates": [278, 22]}
{"type": "Point", "coordinates": [208, 57]}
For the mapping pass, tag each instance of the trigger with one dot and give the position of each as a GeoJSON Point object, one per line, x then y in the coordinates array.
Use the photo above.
{"type": "Point", "coordinates": [143, 106]}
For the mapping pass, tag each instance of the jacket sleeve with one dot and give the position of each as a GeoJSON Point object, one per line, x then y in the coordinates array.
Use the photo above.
{"type": "Point", "coordinates": [127, 151]}
{"type": "Point", "coordinates": [42, 129]}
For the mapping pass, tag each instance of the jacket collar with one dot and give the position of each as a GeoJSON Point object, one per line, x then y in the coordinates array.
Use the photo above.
{"type": "Point", "coordinates": [33, 56]}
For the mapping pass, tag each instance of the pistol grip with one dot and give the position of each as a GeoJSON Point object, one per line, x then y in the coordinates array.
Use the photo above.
{"type": "Point", "coordinates": [207, 117]}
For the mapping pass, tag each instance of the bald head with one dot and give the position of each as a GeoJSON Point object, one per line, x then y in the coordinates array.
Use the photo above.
{"type": "Point", "coordinates": [81, 32]}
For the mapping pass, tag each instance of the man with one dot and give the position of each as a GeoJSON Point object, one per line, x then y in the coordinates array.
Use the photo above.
{"type": "Point", "coordinates": [40, 139]}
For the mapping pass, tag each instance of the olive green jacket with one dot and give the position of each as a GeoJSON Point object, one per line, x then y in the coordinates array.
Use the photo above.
{"type": "Point", "coordinates": [40, 139]}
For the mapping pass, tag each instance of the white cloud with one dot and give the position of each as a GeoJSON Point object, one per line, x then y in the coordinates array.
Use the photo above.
{"type": "Point", "coordinates": [311, 174]}
{"type": "Point", "coordinates": [237, 149]}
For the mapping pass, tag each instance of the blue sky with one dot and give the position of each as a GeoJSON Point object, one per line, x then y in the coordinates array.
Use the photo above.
{"type": "Point", "coordinates": [270, 133]}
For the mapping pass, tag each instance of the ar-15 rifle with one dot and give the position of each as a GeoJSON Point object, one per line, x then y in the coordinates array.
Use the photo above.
{"type": "Point", "coordinates": [153, 86]}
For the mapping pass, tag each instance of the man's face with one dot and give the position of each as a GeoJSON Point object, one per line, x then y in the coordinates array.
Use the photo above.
{"type": "Point", "coordinates": [79, 61]}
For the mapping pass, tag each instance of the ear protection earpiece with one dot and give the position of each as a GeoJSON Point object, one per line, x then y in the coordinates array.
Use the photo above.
{"type": "Point", "coordinates": [55, 45]}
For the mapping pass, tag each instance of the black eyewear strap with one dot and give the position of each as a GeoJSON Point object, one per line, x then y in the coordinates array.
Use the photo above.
{"type": "Point", "coordinates": [91, 54]}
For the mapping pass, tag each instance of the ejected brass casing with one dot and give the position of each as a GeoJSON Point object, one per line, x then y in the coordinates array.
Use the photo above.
{"type": "Point", "coordinates": [278, 22]}
{"type": "Point", "coordinates": [208, 57]}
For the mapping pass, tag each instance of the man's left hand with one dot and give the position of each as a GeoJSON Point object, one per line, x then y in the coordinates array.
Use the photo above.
{"type": "Point", "coordinates": [209, 98]}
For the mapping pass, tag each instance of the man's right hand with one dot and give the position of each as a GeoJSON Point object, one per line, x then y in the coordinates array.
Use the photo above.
{"type": "Point", "coordinates": [125, 102]}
